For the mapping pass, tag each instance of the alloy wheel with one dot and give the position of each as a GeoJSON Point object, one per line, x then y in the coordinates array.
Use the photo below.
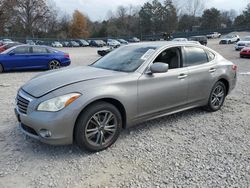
{"type": "Point", "coordinates": [218, 96]}
{"type": "Point", "coordinates": [101, 128]}
{"type": "Point", "coordinates": [54, 64]}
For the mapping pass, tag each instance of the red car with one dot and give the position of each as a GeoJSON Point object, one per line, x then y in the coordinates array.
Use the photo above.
{"type": "Point", "coordinates": [245, 52]}
{"type": "Point", "coordinates": [8, 45]}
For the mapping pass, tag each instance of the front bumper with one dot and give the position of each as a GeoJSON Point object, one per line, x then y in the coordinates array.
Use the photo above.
{"type": "Point", "coordinates": [60, 125]}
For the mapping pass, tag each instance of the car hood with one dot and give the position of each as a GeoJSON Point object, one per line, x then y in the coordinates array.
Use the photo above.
{"type": "Point", "coordinates": [243, 42]}
{"type": "Point", "coordinates": [52, 80]}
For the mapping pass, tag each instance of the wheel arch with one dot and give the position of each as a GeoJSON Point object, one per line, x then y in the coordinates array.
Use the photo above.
{"type": "Point", "coordinates": [1, 64]}
{"type": "Point", "coordinates": [110, 100]}
{"type": "Point", "coordinates": [226, 83]}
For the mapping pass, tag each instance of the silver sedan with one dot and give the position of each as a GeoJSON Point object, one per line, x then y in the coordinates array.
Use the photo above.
{"type": "Point", "coordinates": [91, 105]}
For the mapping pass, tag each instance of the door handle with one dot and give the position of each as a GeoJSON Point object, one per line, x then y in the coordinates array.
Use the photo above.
{"type": "Point", "coordinates": [212, 70]}
{"type": "Point", "coordinates": [182, 76]}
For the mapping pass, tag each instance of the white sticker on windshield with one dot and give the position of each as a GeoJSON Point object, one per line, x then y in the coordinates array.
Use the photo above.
{"type": "Point", "coordinates": [147, 54]}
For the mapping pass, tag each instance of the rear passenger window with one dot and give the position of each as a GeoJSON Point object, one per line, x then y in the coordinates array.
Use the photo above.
{"type": "Point", "coordinates": [194, 56]}
{"type": "Point", "coordinates": [39, 50]}
{"type": "Point", "coordinates": [210, 56]}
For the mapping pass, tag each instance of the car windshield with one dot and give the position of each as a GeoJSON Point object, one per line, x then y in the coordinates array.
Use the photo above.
{"type": "Point", "coordinates": [125, 59]}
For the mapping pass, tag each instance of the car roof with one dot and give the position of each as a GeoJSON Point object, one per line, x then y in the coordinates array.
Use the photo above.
{"type": "Point", "coordinates": [160, 44]}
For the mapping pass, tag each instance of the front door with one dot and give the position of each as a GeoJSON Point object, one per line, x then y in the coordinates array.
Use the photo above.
{"type": "Point", "coordinates": [160, 92]}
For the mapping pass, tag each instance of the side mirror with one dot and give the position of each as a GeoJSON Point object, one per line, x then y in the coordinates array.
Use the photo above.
{"type": "Point", "coordinates": [12, 53]}
{"type": "Point", "coordinates": [159, 67]}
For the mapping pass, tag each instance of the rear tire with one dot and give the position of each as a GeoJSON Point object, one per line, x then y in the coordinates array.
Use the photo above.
{"type": "Point", "coordinates": [98, 127]}
{"type": "Point", "coordinates": [54, 64]}
{"type": "Point", "coordinates": [217, 97]}
{"type": "Point", "coordinates": [1, 68]}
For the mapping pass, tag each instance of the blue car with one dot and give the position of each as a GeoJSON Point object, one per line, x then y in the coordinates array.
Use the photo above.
{"type": "Point", "coordinates": [27, 57]}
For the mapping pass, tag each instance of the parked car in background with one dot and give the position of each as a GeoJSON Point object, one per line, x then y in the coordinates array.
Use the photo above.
{"type": "Point", "coordinates": [213, 35]}
{"type": "Point", "coordinates": [201, 39]}
{"type": "Point", "coordinates": [65, 44]}
{"type": "Point", "coordinates": [122, 41]}
{"type": "Point", "coordinates": [73, 44]}
{"type": "Point", "coordinates": [82, 42]}
{"type": "Point", "coordinates": [113, 43]}
{"type": "Point", "coordinates": [57, 44]}
{"type": "Point", "coordinates": [229, 39]}
{"type": "Point", "coordinates": [25, 57]}
{"type": "Point", "coordinates": [242, 43]}
{"type": "Point", "coordinates": [91, 105]}
{"type": "Point", "coordinates": [245, 52]}
{"type": "Point", "coordinates": [134, 39]}
{"type": "Point", "coordinates": [30, 42]}
{"type": "Point", "coordinates": [180, 39]}
{"type": "Point", "coordinates": [97, 43]}
{"type": "Point", "coordinates": [8, 45]}
{"type": "Point", "coordinates": [104, 51]}
{"type": "Point", "coordinates": [7, 40]}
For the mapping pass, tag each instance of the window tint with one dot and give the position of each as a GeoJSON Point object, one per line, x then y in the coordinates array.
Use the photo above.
{"type": "Point", "coordinates": [195, 56]}
{"type": "Point", "coordinates": [39, 50]}
{"type": "Point", "coordinates": [22, 50]}
{"type": "Point", "coordinates": [170, 56]}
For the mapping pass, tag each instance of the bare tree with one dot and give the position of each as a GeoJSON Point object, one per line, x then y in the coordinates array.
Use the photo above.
{"type": "Point", "coordinates": [194, 7]}
{"type": "Point", "coordinates": [32, 14]}
{"type": "Point", "coordinates": [6, 12]}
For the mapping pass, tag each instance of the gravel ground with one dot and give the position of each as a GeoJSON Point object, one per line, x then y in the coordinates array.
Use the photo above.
{"type": "Point", "coordinates": [189, 149]}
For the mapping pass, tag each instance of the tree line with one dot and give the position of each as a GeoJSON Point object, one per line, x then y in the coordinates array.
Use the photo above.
{"type": "Point", "coordinates": [41, 18]}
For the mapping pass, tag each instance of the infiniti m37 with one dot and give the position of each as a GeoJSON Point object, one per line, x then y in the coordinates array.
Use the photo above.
{"type": "Point", "coordinates": [91, 105]}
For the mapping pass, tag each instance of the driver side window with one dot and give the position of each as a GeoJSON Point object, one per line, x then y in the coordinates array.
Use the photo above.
{"type": "Point", "coordinates": [170, 56]}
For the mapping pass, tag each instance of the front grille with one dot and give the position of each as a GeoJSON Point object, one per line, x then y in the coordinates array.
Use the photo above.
{"type": "Point", "coordinates": [29, 129]}
{"type": "Point", "coordinates": [22, 104]}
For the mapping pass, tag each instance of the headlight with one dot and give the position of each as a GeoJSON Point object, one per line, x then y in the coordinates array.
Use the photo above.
{"type": "Point", "coordinates": [58, 103]}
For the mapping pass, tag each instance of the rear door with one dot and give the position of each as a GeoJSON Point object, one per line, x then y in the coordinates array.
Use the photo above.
{"type": "Point", "coordinates": [40, 57]}
{"type": "Point", "coordinates": [201, 72]}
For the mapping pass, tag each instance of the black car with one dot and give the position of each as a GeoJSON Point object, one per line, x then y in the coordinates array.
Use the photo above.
{"type": "Point", "coordinates": [73, 44]}
{"type": "Point", "coordinates": [97, 43]}
{"type": "Point", "coordinates": [82, 42]}
{"type": "Point", "coordinates": [122, 41]}
{"type": "Point", "coordinates": [201, 39]}
{"type": "Point", "coordinates": [65, 44]}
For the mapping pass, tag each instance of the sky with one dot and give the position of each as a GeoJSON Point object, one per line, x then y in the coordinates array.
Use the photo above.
{"type": "Point", "coordinates": [97, 10]}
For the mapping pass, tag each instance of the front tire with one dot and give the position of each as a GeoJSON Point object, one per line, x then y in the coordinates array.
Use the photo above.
{"type": "Point", "coordinates": [98, 127]}
{"type": "Point", "coordinates": [54, 64]}
{"type": "Point", "coordinates": [217, 97]}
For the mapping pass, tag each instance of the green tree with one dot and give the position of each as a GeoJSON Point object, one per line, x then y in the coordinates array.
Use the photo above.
{"type": "Point", "coordinates": [211, 19]}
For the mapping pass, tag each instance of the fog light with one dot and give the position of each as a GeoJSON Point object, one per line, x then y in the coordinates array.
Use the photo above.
{"type": "Point", "coordinates": [45, 133]}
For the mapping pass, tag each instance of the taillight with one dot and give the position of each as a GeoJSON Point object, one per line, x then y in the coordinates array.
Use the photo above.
{"type": "Point", "coordinates": [66, 55]}
{"type": "Point", "coordinates": [234, 67]}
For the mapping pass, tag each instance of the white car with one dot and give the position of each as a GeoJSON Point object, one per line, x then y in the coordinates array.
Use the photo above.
{"type": "Point", "coordinates": [229, 39]}
{"type": "Point", "coordinates": [113, 43]}
{"type": "Point", "coordinates": [213, 35]}
{"type": "Point", "coordinates": [242, 43]}
{"type": "Point", "coordinates": [57, 44]}
{"type": "Point", "coordinates": [180, 39]}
